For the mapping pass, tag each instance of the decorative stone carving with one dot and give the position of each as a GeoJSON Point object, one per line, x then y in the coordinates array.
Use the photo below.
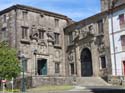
{"type": "Point", "coordinates": [34, 33]}
{"type": "Point", "coordinates": [42, 46]}
{"type": "Point", "coordinates": [91, 29]}
{"type": "Point", "coordinates": [42, 49]}
{"type": "Point", "coordinates": [57, 54]}
{"type": "Point", "coordinates": [99, 40]}
{"type": "Point", "coordinates": [50, 35]}
{"type": "Point", "coordinates": [86, 34]}
{"type": "Point", "coordinates": [42, 43]}
{"type": "Point", "coordinates": [70, 56]}
{"type": "Point", "coordinates": [100, 43]}
{"type": "Point", "coordinates": [76, 33]}
{"type": "Point", "coordinates": [101, 48]}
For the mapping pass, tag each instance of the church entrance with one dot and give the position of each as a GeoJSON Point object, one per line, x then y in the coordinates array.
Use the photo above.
{"type": "Point", "coordinates": [42, 67]}
{"type": "Point", "coordinates": [86, 63]}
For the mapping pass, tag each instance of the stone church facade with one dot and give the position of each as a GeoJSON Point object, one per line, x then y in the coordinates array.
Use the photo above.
{"type": "Point", "coordinates": [87, 43]}
{"type": "Point", "coordinates": [87, 47]}
{"type": "Point", "coordinates": [38, 35]}
{"type": "Point", "coordinates": [55, 46]}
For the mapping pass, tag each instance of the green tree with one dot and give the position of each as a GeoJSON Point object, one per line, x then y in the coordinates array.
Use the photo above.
{"type": "Point", "coordinates": [9, 63]}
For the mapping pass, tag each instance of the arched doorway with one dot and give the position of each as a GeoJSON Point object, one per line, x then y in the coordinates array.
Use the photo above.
{"type": "Point", "coordinates": [86, 63]}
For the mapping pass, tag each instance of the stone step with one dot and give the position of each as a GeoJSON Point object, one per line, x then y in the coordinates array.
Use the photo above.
{"type": "Point", "coordinates": [91, 81]}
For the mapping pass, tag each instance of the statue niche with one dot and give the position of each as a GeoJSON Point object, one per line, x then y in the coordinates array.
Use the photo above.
{"type": "Point", "coordinates": [70, 56]}
{"type": "Point", "coordinates": [99, 41]}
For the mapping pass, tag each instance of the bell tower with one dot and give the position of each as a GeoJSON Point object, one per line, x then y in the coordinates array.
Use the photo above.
{"type": "Point", "coordinates": [107, 4]}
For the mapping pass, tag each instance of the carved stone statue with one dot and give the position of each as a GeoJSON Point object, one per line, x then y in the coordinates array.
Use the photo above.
{"type": "Point", "coordinates": [34, 33]}
{"type": "Point", "coordinates": [50, 35]}
{"type": "Point", "coordinates": [70, 57]}
{"type": "Point", "coordinates": [76, 33]}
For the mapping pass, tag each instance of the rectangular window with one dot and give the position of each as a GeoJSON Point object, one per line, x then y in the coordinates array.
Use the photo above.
{"type": "Point", "coordinates": [24, 32]}
{"type": "Point", "coordinates": [41, 34]}
{"type": "Point", "coordinates": [57, 67]}
{"type": "Point", "coordinates": [100, 26]}
{"type": "Point", "coordinates": [56, 22]}
{"type": "Point", "coordinates": [121, 20]}
{"type": "Point", "coordinates": [123, 42]}
{"type": "Point", "coordinates": [56, 38]}
{"type": "Point", "coordinates": [4, 18]}
{"type": "Point", "coordinates": [103, 62]}
{"type": "Point", "coordinates": [70, 38]}
{"type": "Point", "coordinates": [24, 13]}
{"type": "Point", "coordinates": [72, 68]}
{"type": "Point", "coordinates": [4, 33]}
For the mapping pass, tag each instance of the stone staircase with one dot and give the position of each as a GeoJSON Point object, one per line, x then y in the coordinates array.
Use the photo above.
{"type": "Point", "coordinates": [91, 81]}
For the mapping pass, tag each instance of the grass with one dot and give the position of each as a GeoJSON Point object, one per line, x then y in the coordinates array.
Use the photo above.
{"type": "Point", "coordinates": [10, 90]}
{"type": "Point", "coordinates": [53, 88]}
{"type": "Point", "coordinates": [14, 90]}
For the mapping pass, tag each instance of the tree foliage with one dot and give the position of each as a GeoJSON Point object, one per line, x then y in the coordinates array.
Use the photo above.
{"type": "Point", "coordinates": [9, 63]}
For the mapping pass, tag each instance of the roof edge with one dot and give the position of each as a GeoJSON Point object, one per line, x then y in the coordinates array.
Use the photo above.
{"type": "Point", "coordinates": [19, 6]}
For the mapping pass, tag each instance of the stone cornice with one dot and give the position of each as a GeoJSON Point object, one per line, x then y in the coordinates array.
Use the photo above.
{"type": "Point", "coordinates": [28, 8]}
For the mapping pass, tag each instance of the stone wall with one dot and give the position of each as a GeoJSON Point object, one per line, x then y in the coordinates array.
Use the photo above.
{"type": "Point", "coordinates": [36, 81]}
{"type": "Point", "coordinates": [18, 83]}
{"type": "Point", "coordinates": [116, 80]}
{"type": "Point", "coordinates": [86, 34]}
{"type": "Point", "coordinates": [41, 81]}
{"type": "Point", "coordinates": [35, 21]}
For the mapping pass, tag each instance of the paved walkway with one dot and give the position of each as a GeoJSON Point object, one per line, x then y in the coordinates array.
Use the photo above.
{"type": "Point", "coordinates": [81, 89]}
{"type": "Point", "coordinates": [77, 89]}
{"type": "Point", "coordinates": [92, 89]}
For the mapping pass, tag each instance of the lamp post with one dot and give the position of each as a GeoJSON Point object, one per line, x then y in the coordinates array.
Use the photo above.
{"type": "Point", "coordinates": [35, 53]}
{"type": "Point", "coordinates": [23, 82]}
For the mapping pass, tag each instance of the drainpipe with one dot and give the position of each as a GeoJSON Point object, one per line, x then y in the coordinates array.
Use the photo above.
{"type": "Point", "coordinates": [112, 29]}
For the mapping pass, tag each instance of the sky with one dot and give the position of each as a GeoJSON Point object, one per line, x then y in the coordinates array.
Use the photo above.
{"type": "Point", "coordinates": [74, 9]}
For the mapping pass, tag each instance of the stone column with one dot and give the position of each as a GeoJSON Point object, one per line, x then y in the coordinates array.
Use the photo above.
{"type": "Point", "coordinates": [95, 59]}
{"type": "Point", "coordinates": [78, 66]}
